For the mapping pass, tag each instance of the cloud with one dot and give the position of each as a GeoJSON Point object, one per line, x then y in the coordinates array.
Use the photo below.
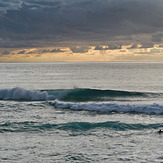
{"type": "Point", "coordinates": [157, 37]}
{"type": "Point", "coordinates": [9, 5]}
{"type": "Point", "coordinates": [44, 51]}
{"type": "Point", "coordinates": [144, 45]}
{"type": "Point", "coordinates": [5, 52]}
{"type": "Point", "coordinates": [101, 48]}
{"type": "Point", "coordinates": [134, 46]}
{"type": "Point", "coordinates": [147, 45]}
{"type": "Point", "coordinates": [113, 47]}
{"type": "Point", "coordinates": [21, 52]}
{"type": "Point", "coordinates": [156, 50]}
{"type": "Point", "coordinates": [56, 51]}
{"type": "Point", "coordinates": [109, 47]}
{"type": "Point", "coordinates": [41, 23]}
{"type": "Point", "coordinates": [30, 52]}
{"type": "Point", "coordinates": [50, 51]}
{"type": "Point", "coordinates": [79, 49]}
{"type": "Point", "coordinates": [123, 51]}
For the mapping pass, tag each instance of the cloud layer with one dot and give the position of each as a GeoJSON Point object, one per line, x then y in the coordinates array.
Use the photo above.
{"type": "Point", "coordinates": [37, 23]}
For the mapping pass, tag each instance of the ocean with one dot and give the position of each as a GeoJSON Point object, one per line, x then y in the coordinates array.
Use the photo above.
{"type": "Point", "coordinates": [81, 112]}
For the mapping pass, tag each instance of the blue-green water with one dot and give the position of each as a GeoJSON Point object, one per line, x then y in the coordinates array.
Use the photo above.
{"type": "Point", "coordinates": [81, 112]}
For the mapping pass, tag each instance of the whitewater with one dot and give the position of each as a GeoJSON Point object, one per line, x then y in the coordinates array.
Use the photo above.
{"type": "Point", "coordinates": [81, 112]}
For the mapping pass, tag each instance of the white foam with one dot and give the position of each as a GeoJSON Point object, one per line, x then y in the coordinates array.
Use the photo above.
{"type": "Point", "coordinates": [23, 94]}
{"type": "Point", "coordinates": [109, 107]}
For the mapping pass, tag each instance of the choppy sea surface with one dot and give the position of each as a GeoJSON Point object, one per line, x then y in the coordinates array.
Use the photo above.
{"type": "Point", "coordinates": [81, 112]}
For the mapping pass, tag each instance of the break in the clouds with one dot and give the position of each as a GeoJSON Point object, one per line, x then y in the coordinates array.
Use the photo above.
{"type": "Point", "coordinates": [38, 23]}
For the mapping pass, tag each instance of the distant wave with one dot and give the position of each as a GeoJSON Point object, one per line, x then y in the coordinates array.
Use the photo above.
{"type": "Point", "coordinates": [109, 107]}
{"type": "Point", "coordinates": [28, 126]}
{"type": "Point", "coordinates": [71, 95]}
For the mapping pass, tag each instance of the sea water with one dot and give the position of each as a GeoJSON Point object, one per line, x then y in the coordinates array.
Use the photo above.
{"type": "Point", "coordinates": [81, 112]}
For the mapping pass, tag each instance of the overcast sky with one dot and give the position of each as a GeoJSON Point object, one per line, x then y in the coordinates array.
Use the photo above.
{"type": "Point", "coordinates": [71, 23]}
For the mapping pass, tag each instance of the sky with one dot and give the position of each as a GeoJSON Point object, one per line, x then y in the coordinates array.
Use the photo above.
{"type": "Point", "coordinates": [81, 30]}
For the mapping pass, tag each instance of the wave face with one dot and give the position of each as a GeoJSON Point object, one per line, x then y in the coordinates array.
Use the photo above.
{"type": "Point", "coordinates": [81, 95]}
{"type": "Point", "coordinates": [28, 126]}
{"type": "Point", "coordinates": [109, 107]}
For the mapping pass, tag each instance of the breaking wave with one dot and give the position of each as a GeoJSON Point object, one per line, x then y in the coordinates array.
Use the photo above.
{"type": "Point", "coordinates": [109, 107]}
{"type": "Point", "coordinates": [73, 95]}
{"type": "Point", "coordinates": [18, 94]}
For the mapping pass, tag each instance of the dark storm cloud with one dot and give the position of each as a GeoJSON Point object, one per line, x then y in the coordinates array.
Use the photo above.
{"type": "Point", "coordinates": [31, 23]}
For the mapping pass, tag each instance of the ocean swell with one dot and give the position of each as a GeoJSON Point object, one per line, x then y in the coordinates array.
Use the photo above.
{"type": "Point", "coordinates": [81, 95]}
{"type": "Point", "coordinates": [73, 95]}
{"type": "Point", "coordinates": [28, 126]}
{"type": "Point", "coordinates": [110, 107]}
